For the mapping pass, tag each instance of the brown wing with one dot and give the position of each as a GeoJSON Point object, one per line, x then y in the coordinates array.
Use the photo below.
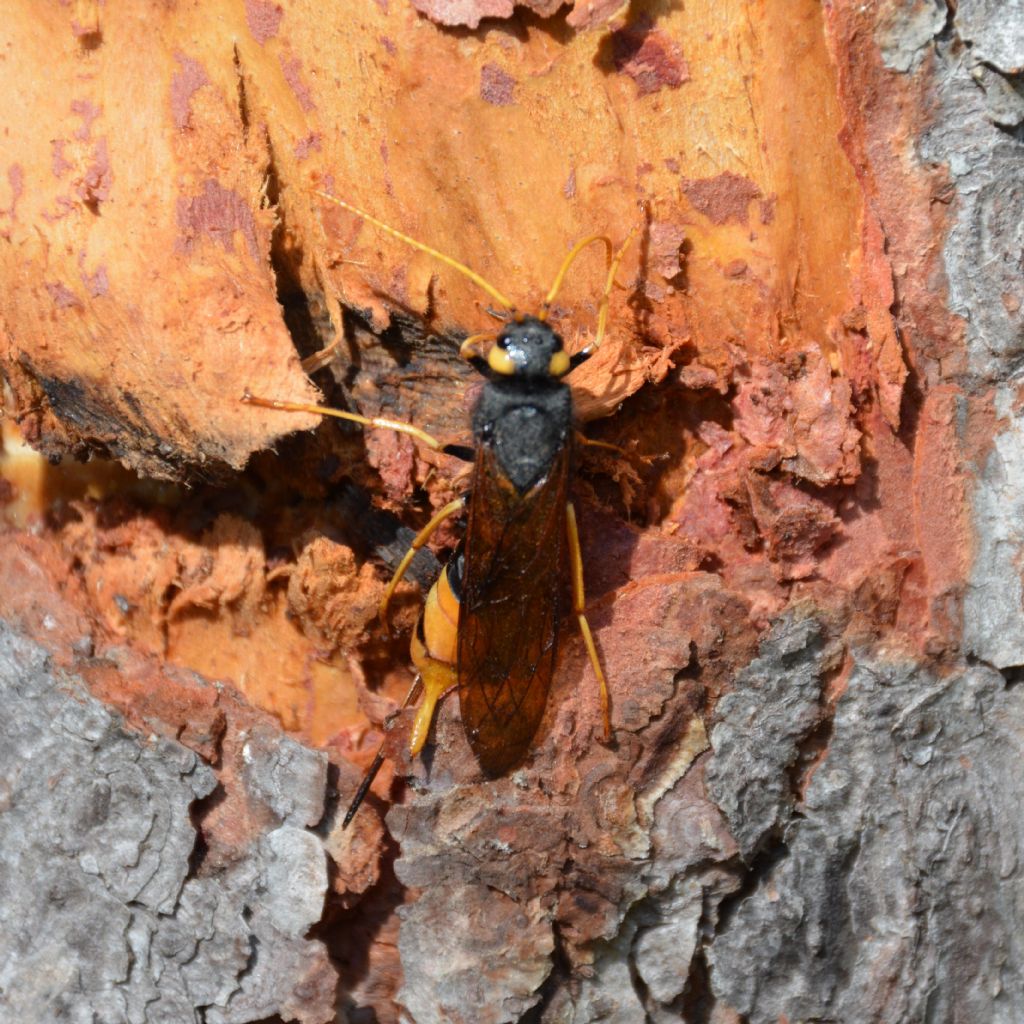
{"type": "Point", "coordinates": [512, 598]}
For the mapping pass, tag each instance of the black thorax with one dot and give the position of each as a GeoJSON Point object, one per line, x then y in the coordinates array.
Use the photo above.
{"type": "Point", "coordinates": [525, 423]}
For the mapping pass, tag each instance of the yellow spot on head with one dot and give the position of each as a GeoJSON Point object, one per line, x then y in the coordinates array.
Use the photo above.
{"type": "Point", "coordinates": [500, 361]}
{"type": "Point", "coordinates": [559, 365]}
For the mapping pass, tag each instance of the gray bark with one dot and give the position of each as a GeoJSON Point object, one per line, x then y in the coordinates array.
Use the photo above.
{"type": "Point", "coordinates": [102, 919]}
{"type": "Point", "coordinates": [880, 882]}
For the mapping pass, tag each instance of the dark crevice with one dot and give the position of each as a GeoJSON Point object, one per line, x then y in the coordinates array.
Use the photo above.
{"type": "Point", "coordinates": [403, 337]}
{"type": "Point", "coordinates": [697, 1002]}
{"type": "Point", "coordinates": [373, 532]}
{"type": "Point", "coordinates": [409, 344]}
{"type": "Point", "coordinates": [948, 31]}
{"type": "Point", "coordinates": [1004, 98]}
{"type": "Point", "coordinates": [813, 746]}
{"type": "Point", "coordinates": [350, 933]}
{"type": "Point", "coordinates": [1013, 675]}
{"type": "Point", "coordinates": [198, 812]}
{"type": "Point", "coordinates": [667, 419]}
{"type": "Point", "coordinates": [554, 983]}
{"type": "Point", "coordinates": [1014, 79]}
{"type": "Point", "coordinates": [305, 314]}
{"type": "Point", "coordinates": [911, 404]}
{"type": "Point", "coordinates": [755, 874]}
{"type": "Point", "coordinates": [243, 99]}
{"type": "Point", "coordinates": [254, 950]}
{"type": "Point", "coordinates": [643, 994]}
{"type": "Point", "coordinates": [1015, 132]}
{"type": "Point", "coordinates": [332, 806]}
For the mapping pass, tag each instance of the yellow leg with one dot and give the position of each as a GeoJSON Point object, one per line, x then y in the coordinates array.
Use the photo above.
{"type": "Point", "coordinates": [438, 679]}
{"type": "Point", "coordinates": [578, 607]}
{"type": "Point", "coordinates": [419, 540]}
{"type": "Point", "coordinates": [435, 679]}
{"type": "Point", "coordinates": [324, 410]}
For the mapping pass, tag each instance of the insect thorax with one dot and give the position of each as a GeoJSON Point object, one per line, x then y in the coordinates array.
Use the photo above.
{"type": "Point", "coordinates": [526, 424]}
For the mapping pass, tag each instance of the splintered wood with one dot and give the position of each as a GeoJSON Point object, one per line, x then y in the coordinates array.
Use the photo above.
{"type": "Point", "coordinates": [786, 500]}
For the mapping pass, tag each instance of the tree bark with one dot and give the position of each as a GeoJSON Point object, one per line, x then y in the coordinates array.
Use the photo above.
{"type": "Point", "coordinates": [803, 575]}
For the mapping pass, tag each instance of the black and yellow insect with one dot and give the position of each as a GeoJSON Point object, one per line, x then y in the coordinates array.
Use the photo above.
{"type": "Point", "coordinates": [489, 626]}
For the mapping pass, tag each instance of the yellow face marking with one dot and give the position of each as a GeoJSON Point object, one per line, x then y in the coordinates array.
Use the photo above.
{"type": "Point", "coordinates": [559, 365]}
{"type": "Point", "coordinates": [500, 361]}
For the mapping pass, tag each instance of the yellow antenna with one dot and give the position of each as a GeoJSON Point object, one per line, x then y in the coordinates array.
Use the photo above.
{"type": "Point", "coordinates": [602, 313]}
{"type": "Point", "coordinates": [455, 264]}
{"type": "Point", "coordinates": [545, 306]}
{"type": "Point", "coordinates": [470, 348]}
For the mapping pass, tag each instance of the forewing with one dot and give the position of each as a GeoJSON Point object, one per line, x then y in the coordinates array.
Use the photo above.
{"type": "Point", "coordinates": [512, 599]}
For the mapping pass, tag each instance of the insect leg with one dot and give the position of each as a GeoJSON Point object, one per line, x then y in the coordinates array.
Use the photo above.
{"type": "Point", "coordinates": [436, 680]}
{"type": "Point", "coordinates": [578, 607]}
{"type": "Point", "coordinates": [439, 678]}
{"type": "Point", "coordinates": [436, 674]}
{"type": "Point", "coordinates": [419, 540]}
{"type": "Point", "coordinates": [366, 421]}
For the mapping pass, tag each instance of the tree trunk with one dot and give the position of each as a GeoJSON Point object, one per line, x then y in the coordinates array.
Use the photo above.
{"type": "Point", "coordinates": [803, 572]}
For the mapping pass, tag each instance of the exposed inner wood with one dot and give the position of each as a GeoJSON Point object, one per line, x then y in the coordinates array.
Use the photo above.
{"type": "Point", "coordinates": [163, 249]}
